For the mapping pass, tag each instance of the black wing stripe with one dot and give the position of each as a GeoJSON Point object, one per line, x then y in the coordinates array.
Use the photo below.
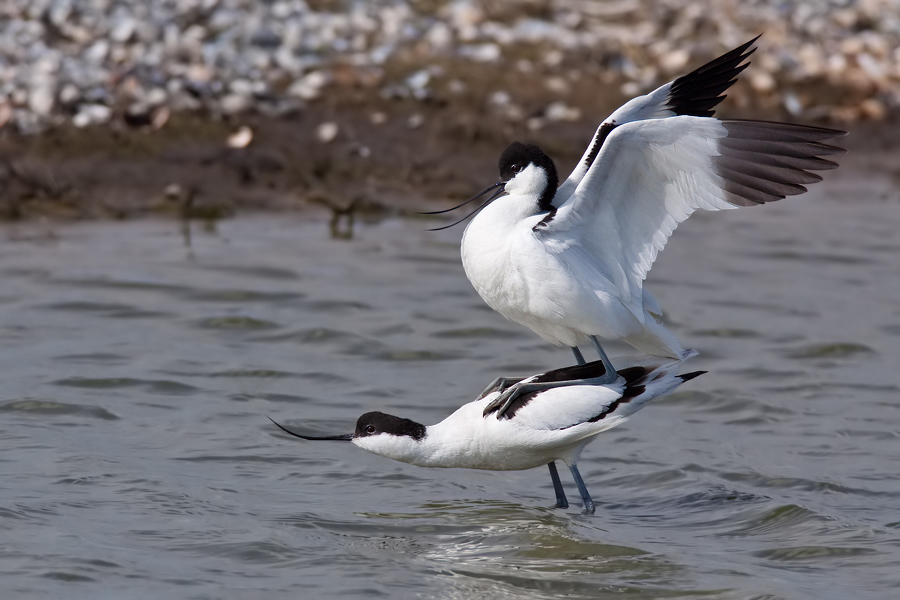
{"type": "Point", "coordinates": [585, 371]}
{"type": "Point", "coordinates": [602, 133]}
{"type": "Point", "coordinates": [636, 388]}
{"type": "Point", "coordinates": [520, 402]}
{"type": "Point", "coordinates": [635, 380]}
{"type": "Point", "coordinates": [635, 377]}
{"type": "Point", "coordinates": [629, 393]}
{"type": "Point", "coordinates": [606, 411]}
{"type": "Point", "coordinates": [698, 92]}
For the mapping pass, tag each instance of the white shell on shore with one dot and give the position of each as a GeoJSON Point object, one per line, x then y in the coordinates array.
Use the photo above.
{"type": "Point", "coordinates": [327, 132]}
{"type": "Point", "coordinates": [91, 114]}
{"type": "Point", "coordinates": [240, 138]}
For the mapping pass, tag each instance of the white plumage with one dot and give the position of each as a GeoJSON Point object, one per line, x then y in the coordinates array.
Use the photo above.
{"type": "Point", "coordinates": [569, 262]}
{"type": "Point", "coordinates": [536, 428]}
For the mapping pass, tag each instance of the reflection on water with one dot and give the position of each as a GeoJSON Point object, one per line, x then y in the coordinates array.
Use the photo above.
{"type": "Point", "coordinates": [139, 369]}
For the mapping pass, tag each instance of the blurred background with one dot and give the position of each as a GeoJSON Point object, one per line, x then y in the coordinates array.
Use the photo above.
{"type": "Point", "coordinates": [203, 221]}
{"type": "Point", "coordinates": [206, 107]}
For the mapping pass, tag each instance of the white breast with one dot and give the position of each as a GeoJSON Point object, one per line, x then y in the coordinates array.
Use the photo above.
{"type": "Point", "coordinates": [540, 282]}
{"type": "Point", "coordinates": [493, 255]}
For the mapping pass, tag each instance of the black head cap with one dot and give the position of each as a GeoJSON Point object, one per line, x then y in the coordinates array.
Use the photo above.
{"type": "Point", "coordinates": [517, 156]}
{"type": "Point", "coordinates": [373, 423]}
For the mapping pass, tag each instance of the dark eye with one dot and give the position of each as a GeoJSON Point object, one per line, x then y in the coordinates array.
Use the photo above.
{"type": "Point", "coordinates": [515, 168]}
{"type": "Point", "coordinates": [370, 429]}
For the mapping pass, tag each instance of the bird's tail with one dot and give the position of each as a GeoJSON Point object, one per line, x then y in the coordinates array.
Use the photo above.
{"type": "Point", "coordinates": [655, 339]}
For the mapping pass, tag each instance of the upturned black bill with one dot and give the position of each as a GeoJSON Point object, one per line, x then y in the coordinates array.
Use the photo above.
{"type": "Point", "coordinates": [496, 194]}
{"type": "Point", "coordinates": [346, 437]}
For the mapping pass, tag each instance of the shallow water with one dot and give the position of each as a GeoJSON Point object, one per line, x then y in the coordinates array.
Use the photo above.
{"type": "Point", "coordinates": [137, 460]}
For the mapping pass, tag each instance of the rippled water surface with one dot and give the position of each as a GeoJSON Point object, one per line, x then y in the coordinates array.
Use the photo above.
{"type": "Point", "coordinates": [137, 460]}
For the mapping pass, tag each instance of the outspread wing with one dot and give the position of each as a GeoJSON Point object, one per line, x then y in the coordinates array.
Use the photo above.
{"type": "Point", "coordinates": [694, 94]}
{"type": "Point", "coordinates": [651, 175]}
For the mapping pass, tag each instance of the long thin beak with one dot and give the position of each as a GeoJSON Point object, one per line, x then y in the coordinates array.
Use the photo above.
{"type": "Point", "coordinates": [346, 437]}
{"type": "Point", "coordinates": [496, 194]}
{"type": "Point", "coordinates": [472, 199]}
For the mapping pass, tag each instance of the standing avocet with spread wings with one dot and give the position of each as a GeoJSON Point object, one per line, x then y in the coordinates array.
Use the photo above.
{"type": "Point", "coordinates": [569, 261]}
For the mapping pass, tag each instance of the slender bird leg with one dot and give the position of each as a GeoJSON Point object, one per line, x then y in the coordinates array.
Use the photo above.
{"type": "Point", "coordinates": [585, 496]}
{"type": "Point", "coordinates": [561, 501]}
{"type": "Point", "coordinates": [611, 374]}
{"type": "Point", "coordinates": [578, 357]}
{"type": "Point", "coordinates": [501, 384]}
{"type": "Point", "coordinates": [509, 395]}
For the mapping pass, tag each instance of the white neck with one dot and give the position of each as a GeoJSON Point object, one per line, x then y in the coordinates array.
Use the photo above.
{"type": "Point", "coordinates": [529, 182]}
{"type": "Point", "coordinates": [450, 443]}
{"type": "Point", "coordinates": [509, 212]}
{"type": "Point", "coordinates": [402, 447]}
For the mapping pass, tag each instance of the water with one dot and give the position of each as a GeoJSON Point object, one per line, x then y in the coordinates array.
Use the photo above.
{"type": "Point", "coordinates": [137, 460]}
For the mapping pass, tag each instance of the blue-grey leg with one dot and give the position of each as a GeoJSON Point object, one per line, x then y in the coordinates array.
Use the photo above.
{"type": "Point", "coordinates": [561, 501]}
{"type": "Point", "coordinates": [582, 489]}
{"type": "Point", "coordinates": [611, 374]}
{"type": "Point", "coordinates": [500, 384]}
{"type": "Point", "coordinates": [578, 357]}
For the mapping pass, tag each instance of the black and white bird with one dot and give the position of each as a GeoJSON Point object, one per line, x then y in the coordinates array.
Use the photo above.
{"type": "Point", "coordinates": [569, 261]}
{"type": "Point", "coordinates": [543, 418]}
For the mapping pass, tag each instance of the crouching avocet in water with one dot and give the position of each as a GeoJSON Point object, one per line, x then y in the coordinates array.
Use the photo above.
{"type": "Point", "coordinates": [543, 418]}
{"type": "Point", "coordinates": [569, 262]}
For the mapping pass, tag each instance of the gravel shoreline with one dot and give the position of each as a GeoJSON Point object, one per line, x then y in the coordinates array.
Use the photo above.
{"type": "Point", "coordinates": [115, 109]}
{"type": "Point", "coordinates": [89, 62]}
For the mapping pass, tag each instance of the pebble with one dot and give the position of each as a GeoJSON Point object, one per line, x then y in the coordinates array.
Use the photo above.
{"type": "Point", "coordinates": [415, 121]}
{"type": "Point", "coordinates": [83, 61]}
{"type": "Point", "coordinates": [91, 114]}
{"type": "Point", "coordinates": [326, 132]}
{"type": "Point", "coordinates": [6, 113]}
{"type": "Point", "coordinates": [484, 53]}
{"type": "Point", "coordinates": [240, 138]}
{"type": "Point", "coordinates": [560, 111]}
{"type": "Point", "coordinates": [308, 87]}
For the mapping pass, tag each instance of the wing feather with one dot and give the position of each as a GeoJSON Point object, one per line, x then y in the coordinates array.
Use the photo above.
{"type": "Point", "coordinates": [588, 409]}
{"type": "Point", "coordinates": [694, 94]}
{"type": "Point", "coordinates": [564, 407]}
{"type": "Point", "coordinates": [651, 175]}
{"type": "Point", "coordinates": [698, 92]}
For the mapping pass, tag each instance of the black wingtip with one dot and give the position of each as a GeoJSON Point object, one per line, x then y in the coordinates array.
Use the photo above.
{"type": "Point", "coordinates": [698, 92]}
{"type": "Point", "coordinates": [689, 376]}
